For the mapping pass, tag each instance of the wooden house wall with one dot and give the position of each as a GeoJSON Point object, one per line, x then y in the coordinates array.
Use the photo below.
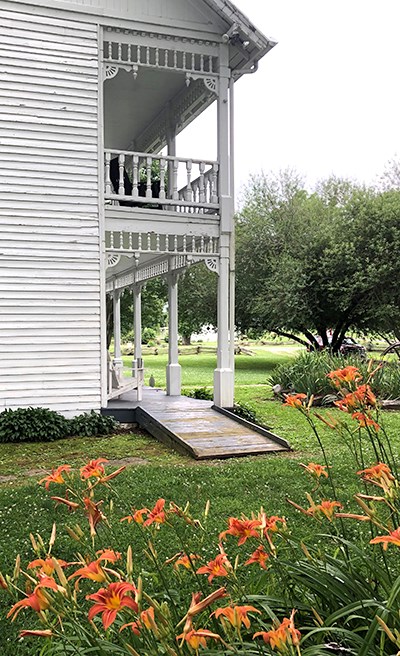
{"type": "Point", "coordinates": [49, 213]}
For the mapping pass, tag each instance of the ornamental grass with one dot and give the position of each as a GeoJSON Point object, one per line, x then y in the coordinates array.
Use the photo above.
{"type": "Point", "coordinates": [263, 591]}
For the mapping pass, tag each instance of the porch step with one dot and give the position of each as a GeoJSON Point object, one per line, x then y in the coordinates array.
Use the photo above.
{"type": "Point", "coordinates": [197, 428]}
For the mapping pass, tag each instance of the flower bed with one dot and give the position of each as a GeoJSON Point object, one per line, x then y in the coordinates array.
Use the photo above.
{"type": "Point", "coordinates": [262, 592]}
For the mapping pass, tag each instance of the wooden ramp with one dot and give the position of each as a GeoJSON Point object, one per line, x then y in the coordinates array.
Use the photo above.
{"type": "Point", "coordinates": [195, 427]}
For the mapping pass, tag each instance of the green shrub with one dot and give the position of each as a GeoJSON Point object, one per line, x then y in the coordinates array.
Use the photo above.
{"type": "Point", "coordinates": [148, 335]}
{"type": "Point", "coordinates": [307, 375]}
{"type": "Point", "coordinates": [201, 393]}
{"type": "Point", "coordinates": [43, 425]}
{"type": "Point", "coordinates": [91, 424]}
{"type": "Point", "coordinates": [33, 425]}
{"type": "Point", "coordinates": [244, 411]}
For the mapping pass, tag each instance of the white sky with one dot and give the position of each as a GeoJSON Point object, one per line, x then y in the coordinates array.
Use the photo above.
{"type": "Point", "coordinates": [325, 100]}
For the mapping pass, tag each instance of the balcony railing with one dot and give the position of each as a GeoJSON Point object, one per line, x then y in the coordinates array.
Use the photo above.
{"type": "Point", "coordinates": [154, 181]}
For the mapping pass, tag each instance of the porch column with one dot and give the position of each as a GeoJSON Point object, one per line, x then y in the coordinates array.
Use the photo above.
{"type": "Point", "coordinates": [137, 320]}
{"type": "Point", "coordinates": [224, 373]}
{"type": "Point", "coordinates": [117, 330]}
{"type": "Point", "coordinates": [171, 152]}
{"type": "Point", "coordinates": [173, 367]}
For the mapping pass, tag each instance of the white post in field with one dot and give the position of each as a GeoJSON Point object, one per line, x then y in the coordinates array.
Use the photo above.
{"type": "Point", "coordinates": [117, 361]}
{"type": "Point", "coordinates": [224, 373]}
{"type": "Point", "coordinates": [173, 367]}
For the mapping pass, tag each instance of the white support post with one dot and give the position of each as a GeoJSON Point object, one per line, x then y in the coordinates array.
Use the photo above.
{"type": "Point", "coordinates": [137, 330]}
{"type": "Point", "coordinates": [224, 373]}
{"type": "Point", "coordinates": [173, 367]}
{"type": "Point", "coordinates": [171, 151]}
{"type": "Point", "coordinates": [137, 320]}
{"type": "Point", "coordinates": [117, 331]}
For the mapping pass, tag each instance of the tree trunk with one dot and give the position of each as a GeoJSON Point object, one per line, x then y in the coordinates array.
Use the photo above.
{"type": "Point", "coordinates": [186, 340]}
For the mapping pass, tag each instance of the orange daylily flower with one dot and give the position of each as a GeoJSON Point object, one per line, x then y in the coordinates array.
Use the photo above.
{"type": "Point", "coordinates": [111, 600]}
{"type": "Point", "coordinates": [315, 469]}
{"type": "Point", "coordinates": [147, 619]}
{"type": "Point", "coordinates": [364, 421]}
{"type": "Point", "coordinates": [365, 395]}
{"type": "Point", "coordinates": [242, 529]}
{"type": "Point", "coordinates": [72, 505]}
{"type": "Point", "coordinates": [198, 638]}
{"type": "Point", "coordinates": [46, 566]}
{"type": "Point", "coordinates": [236, 615]}
{"type": "Point", "coordinates": [92, 571]}
{"type": "Point", "coordinates": [270, 524]}
{"type": "Point", "coordinates": [136, 517]}
{"type": "Point", "coordinates": [285, 634]}
{"type": "Point", "coordinates": [94, 468]}
{"type": "Point", "coordinates": [377, 472]}
{"type": "Point", "coordinates": [55, 476]}
{"type": "Point", "coordinates": [327, 508]}
{"type": "Point", "coordinates": [113, 474]}
{"type": "Point", "coordinates": [156, 515]}
{"type": "Point", "coordinates": [37, 600]}
{"type": "Point", "coordinates": [259, 556]}
{"type": "Point", "coordinates": [347, 375]}
{"type": "Point", "coordinates": [134, 626]}
{"type": "Point", "coordinates": [295, 400]}
{"type": "Point", "coordinates": [93, 513]}
{"type": "Point", "coordinates": [392, 538]}
{"type": "Point", "coordinates": [108, 555]}
{"type": "Point", "coordinates": [215, 567]}
{"type": "Point", "coordinates": [40, 633]}
{"type": "Point", "coordinates": [197, 605]}
{"type": "Point", "coordinates": [186, 561]}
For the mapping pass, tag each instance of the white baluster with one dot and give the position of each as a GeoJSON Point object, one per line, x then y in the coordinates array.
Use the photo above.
{"type": "Point", "coordinates": [175, 194]}
{"type": "Point", "coordinates": [157, 242]}
{"type": "Point", "coordinates": [189, 191]}
{"type": "Point", "coordinates": [135, 176]}
{"type": "Point", "coordinates": [149, 241]}
{"type": "Point", "coordinates": [111, 240]}
{"type": "Point", "coordinates": [121, 239]}
{"type": "Point", "coordinates": [214, 184]}
{"type": "Point", "coordinates": [149, 193]}
{"type": "Point", "coordinates": [107, 175]}
{"type": "Point", "coordinates": [162, 178]}
{"type": "Point", "coordinates": [139, 241]}
{"type": "Point", "coordinates": [202, 244]}
{"type": "Point", "coordinates": [202, 194]}
{"type": "Point", "coordinates": [193, 244]}
{"type": "Point", "coordinates": [120, 52]}
{"type": "Point", "coordinates": [121, 167]}
{"type": "Point", "coordinates": [176, 243]}
{"type": "Point", "coordinates": [109, 50]}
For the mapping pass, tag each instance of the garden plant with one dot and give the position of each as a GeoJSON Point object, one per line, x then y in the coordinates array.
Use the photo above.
{"type": "Point", "coordinates": [261, 591]}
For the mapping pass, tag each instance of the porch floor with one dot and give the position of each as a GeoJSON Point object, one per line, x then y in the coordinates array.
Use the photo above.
{"type": "Point", "coordinates": [192, 426]}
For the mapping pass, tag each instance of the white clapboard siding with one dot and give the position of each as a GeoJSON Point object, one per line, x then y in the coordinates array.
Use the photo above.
{"type": "Point", "coordinates": [49, 213]}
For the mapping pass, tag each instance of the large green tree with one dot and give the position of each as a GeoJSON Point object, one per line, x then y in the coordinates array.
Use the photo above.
{"type": "Point", "coordinates": [197, 300]}
{"type": "Point", "coordinates": [308, 263]}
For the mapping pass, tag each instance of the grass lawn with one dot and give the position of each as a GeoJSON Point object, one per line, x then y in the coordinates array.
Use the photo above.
{"type": "Point", "coordinates": [233, 486]}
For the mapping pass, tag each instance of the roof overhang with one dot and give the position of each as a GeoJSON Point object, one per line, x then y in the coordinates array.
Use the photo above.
{"type": "Point", "coordinates": [248, 44]}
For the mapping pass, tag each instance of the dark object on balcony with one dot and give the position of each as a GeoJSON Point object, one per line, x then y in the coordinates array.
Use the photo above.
{"type": "Point", "coordinates": [128, 187]}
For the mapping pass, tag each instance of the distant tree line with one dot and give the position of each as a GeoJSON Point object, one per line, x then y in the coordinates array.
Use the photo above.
{"type": "Point", "coordinates": [307, 262]}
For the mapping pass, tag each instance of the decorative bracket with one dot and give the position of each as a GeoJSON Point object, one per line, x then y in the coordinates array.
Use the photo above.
{"type": "Point", "coordinates": [111, 70]}
{"type": "Point", "coordinates": [212, 264]}
{"type": "Point", "coordinates": [112, 260]}
{"type": "Point", "coordinates": [210, 82]}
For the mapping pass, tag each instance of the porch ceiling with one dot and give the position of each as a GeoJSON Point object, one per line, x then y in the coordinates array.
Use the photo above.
{"type": "Point", "coordinates": [130, 105]}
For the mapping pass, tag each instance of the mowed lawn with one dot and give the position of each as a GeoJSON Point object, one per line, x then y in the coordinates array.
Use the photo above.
{"type": "Point", "coordinates": [233, 486]}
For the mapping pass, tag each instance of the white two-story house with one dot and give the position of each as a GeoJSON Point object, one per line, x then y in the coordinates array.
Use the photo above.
{"type": "Point", "coordinates": [94, 197]}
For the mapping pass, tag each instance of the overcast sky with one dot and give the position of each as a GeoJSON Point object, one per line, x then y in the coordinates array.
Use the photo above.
{"type": "Point", "coordinates": [325, 100]}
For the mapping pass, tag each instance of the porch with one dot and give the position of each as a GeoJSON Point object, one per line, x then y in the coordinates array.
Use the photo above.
{"type": "Point", "coordinates": [193, 427]}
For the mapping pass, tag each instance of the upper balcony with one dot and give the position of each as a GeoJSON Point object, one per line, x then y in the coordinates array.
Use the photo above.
{"type": "Point", "coordinates": [161, 182]}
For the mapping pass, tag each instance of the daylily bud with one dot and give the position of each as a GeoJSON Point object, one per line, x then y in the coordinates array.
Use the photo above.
{"type": "Point", "coordinates": [52, 537]}
{"type": "Point", "coordinates": [72, 534]}
{"type": "Point", "coordinates": [207, 508]}
{"type": "Point", "coordinates": [17, 568]}
{"type": "Point", "coordinates": [34, 543]}
{"type": "Point", "coordinates": [129, 561]}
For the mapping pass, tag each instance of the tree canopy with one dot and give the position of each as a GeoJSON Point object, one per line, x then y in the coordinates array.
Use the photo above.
{"type": "Point", "coordinates": [308, 262]}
